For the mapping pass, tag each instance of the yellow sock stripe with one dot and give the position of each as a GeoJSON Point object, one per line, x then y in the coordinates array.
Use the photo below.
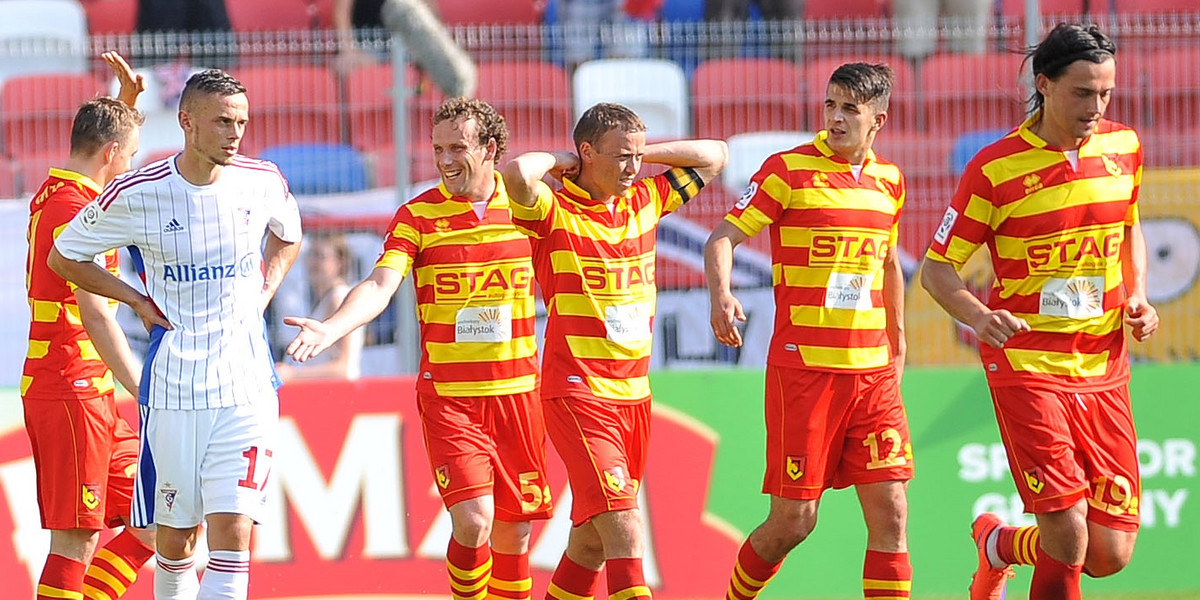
{"type": "Point", "coordinates": [471, 574]}
{"type": "Point", "coordinates": [737, 568]}
{"type": "Point", "coordinates": [521, 585]}
{"type": "Point", "coordinates": [469, 589]}
{"type": "Point", "coordinates": [121, 565]}
{"type": "Point", "coordinates": [94, 593]}
{"type": "Point", "coordinates": [637, 591]}
{"type": "Point", "coordinates": [101, 574]}
{"type": "Point", "coordinates": [561, 594]}
{"type": "Point", "coordinates": [905, 597]}
{"type": "Point", "coordinates": [887, 584]}
{"type": "Point", "coordinates": [53, 592]}
{"type": "Point", "coordinates": [738, 590]}
{"type": "Point", "coordinates": [1026, 543]}
{"type": "Point", "coordinates": [480, 595]}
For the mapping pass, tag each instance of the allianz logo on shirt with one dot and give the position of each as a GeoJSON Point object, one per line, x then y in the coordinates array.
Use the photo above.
{"type": "Point", "coordinates": [245, 267]}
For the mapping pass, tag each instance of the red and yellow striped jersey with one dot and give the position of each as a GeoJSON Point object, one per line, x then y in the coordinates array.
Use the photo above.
{"type": "Point", "coordinates": [1054, 233]}
{"type": "Point", "coordinates": [474, 281]}
{"type": "Point", "coordinates": [830, 233]}
{"type": "Point", "coordinates": [596, 270]}
{"type": "Point", "coordinates": [62, 362]}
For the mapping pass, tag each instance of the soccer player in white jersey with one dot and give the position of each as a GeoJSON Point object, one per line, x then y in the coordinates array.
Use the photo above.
{"type": "Point", "coordinates": [195, 225]}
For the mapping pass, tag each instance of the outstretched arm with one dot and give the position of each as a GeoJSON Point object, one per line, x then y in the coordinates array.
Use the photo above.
{"type": "Point", "coordinates": [362, 304]}
{"type": "Point", "coordinates": [707, 157]}
{"type": "Point", "coordinates": [522, 174]}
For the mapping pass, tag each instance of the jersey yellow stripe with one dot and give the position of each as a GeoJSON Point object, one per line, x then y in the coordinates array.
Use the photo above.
{"type": "Point", "coordinates": [1058, 363]}
{"type": "Point", "coordinates": [45, 311]}
{"type": "Point", "coordinates": [633, 388]}
{"type": "Point", "coordinates": [862, 358]}
{"type": "Point", "coordinates": [839, 318]}
{"type": "Point", "coordinates": [494, 387]}
{"type": "Point", "coordinates": [37, 349]}
{"type": "Point", "coordinates": [481, 352]}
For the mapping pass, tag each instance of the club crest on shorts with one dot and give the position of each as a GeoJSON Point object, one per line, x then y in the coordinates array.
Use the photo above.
{"type": "Point", "coordinates": [91, 496]}
{"type": "Point", "coordinates": [615, 479]}
{"type": "Point", "coordinates": [442, 474]}
{"type": "Point", "coordinates": [1034, 479]}
{"type": "Point", "coordinates": [796, 466]}
{"type": "Point", "coordinates": [168, 494]}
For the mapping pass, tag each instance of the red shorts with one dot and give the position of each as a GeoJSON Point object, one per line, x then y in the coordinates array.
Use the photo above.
{"type": "Point", "coordinates": [1066, 446]}
{"type": "Point", "coordinates": [85, 455]}
{"type": "Point", "coordinates": [603, 446]}
{"type": "Point", "coordinates": [489, 446]}
{"type": "Point", "coordinates": [833, 430]}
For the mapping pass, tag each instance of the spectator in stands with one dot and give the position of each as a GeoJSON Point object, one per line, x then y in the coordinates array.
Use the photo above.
{"type": "Point", "coordinates": [964, 26]}
{"type": "Point", "coordinates": [605, 28]}
{"type": "Point", "coordinates": [328, 266]}
{"type": "Point", "coordinates": [208, 18]}
{"type": "Point", "coordinates": [350, 16]}
{"type": "Point", "coordinates": [783, 11]}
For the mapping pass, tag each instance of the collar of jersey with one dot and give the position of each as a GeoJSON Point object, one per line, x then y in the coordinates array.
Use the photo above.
{"type": "Point", "coordinates": [1027, 134]}
{"type": "Point", "coordinates": [576, 193]}
{"type": "Point", "coordinates": [499, 194]}
{"type": "Point", "coordinates": [78, 178]}
{"type": "Point", "coordinates": [823, 148]}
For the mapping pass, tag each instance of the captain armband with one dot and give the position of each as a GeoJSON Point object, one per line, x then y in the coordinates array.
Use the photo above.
{"type": "Point", "coordinates": [686, 181]}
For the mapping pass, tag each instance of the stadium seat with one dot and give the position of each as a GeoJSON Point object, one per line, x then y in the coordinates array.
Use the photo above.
{"type": "Point", "coordinates": [655, 89]}
{"type": "Point", "coordinates": [369, 102]}
{"type": "Point", "coordinates": [33, 168]}
{"type": "Point", "coordinates": [739, 95]}
{"type": "Point", "coordinates": [36, 111]}
{"type": "Point", "coordinates": [8, 180]}
{"type": "Point", "coordinates": [682, 11]}
{"type": "Point", "coordinates": [969, 144]}
{"type": "Point", "coordinates": [902, 109]}
{"type": "Point", "coordinates": [919, 155]}
{"type": "Point", "coordinates": [1124, 7]}
{"type": "Point", "coordinates": [815, 10]}
{"type": "Point", "coordinates": [1172, 87]}
{"type": "Point", "coordinates": [747, 151]}
{"type": "Point", "coordinates": [966, 92]}
{"type": "Point", "coordinates": [111, 17]}
{"type": "Point", "coordinates": [290, 104]}
{"type": "Point", "coordinates": [490, 12]}
{"type": "Point", "coordinates": [1016, 8]}
{"type": "Point", "coordinates": [533, 97]}
{"type": "Point", "coordinates": [320, 168]}
{"type": "Point", "coordinates": [42, 36]}
{"type": "Point", "coordinates": [272, 15]}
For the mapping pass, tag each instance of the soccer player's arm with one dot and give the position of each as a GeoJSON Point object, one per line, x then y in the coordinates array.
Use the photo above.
{"type": "Point", "coordinates": [757, 208]}
{"type": "Point", "coordinates": [963, 229]}
{"type": "Point", "coordinates": [705, 157]}
{"type": "Point", "coordinates": [337, 368]}
{"type": "Point", "coordinates": [95, 231]}
{"type": "Point", "coordinates": [532, 204]}
{"type": "Point", "coordinates": [283, 244]}
{"type": "Point", "coordinates": [1140, 315]}
{"type": "Point", "coordinates": [893, 292]}
{"type": "Point", "coordinates": [367, 299]}
{"type": "Point", "coordinates": [132, 84]}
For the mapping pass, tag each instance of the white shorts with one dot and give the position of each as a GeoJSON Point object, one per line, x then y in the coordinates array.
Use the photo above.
{"type": "Point", "coordinates": [197, 462]}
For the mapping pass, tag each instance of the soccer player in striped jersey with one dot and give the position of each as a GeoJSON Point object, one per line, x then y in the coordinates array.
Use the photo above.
{"type": "Point", "coordinates": [195, 224]}
{"type": "Point", "coordinates": [594, 254]}
{"type": "Point", "coordinates": [833, 408]}
{"type": "Point", "coordinates": [1055, 202]}
{"type": "Point", "coordinates": [477, 391]}
{"type": "Point", "coordinates": [84, 476]}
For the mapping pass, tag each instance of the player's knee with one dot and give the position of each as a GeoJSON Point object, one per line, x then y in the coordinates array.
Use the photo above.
{"type": "Point", "coordinates": [788, 531]}
{"type": "Point", "coordinates": [1105, 561]}
{"type": "Point", "coordinates": [473, 527]}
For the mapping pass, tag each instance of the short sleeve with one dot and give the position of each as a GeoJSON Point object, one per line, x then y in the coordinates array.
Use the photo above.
{"type": "Point", "coordinates": [402, 244]}
{"type": "Point", "coordinates": [96, 230]}
{"type": "Point", "coordinates": [284, 221]}
{"type": "Point", "coordinates": [764, 200]}
{"type": "Point", "coordinates": [968, 221]}
{"type": "Point", "coordinates": [537, 220]}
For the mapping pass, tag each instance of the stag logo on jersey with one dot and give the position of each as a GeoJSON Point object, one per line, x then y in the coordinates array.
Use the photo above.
{"type": "Point", "coordinates": [615, 479]}
{"type": "Point", "coordinates": [492, 281]}
{"type": "Point", "coordinates": [91, 496]}
{"type": "Point", "coordinates": [836, 246]}
{"type": "Point", "coordinates": [1066, 252]}
{"type": "Point", "coordinates": [1034, 480]}
{"type": "Point", "coordinates": [1111, 165]}
{"type": "Point", "coordinates": [796, 466]}
{"type": "Point", "coordinates": [442, 474]}
{"type": "Point", "coordinates": [1033, 183]}
{"type": "Point", "coordinates": [615, 278]}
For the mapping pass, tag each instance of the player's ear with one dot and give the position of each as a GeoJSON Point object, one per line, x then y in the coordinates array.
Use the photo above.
{"type": "Point", "coordinates": [110, 151]}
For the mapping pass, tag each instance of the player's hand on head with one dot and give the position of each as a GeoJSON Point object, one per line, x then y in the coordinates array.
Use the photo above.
{"type": "Point", "coordinates": [566, 164]}
{"type": "Point", "coordinates": [1141, 317]}
{"type": "Point", "coordinates": [996, 327]}
{"type": "Point", "coordinates": [131, 83]}
{"type": "Point", "coordinates": [727, 312]}
{"type": "Point", "coordinates": [311, 340]}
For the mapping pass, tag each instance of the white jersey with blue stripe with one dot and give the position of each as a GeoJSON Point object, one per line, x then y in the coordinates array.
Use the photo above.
{"type": "Point", "coordinates": [199, 252]}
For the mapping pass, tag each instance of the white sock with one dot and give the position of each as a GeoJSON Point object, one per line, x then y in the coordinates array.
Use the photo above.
{"type": "Point", "coordinates": [175, 579]}
{"type": "Point", "coordinates": [227, 576]}
{"type": "Point", "coordinates": [993, 553]}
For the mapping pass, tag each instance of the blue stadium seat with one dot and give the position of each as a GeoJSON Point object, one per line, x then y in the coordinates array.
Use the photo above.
{"type": "Point", "coordinates": [320, 168]}
{"type": "Point", "coordinates": [969, 144]}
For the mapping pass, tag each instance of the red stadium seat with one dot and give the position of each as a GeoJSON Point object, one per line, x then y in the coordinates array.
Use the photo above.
{"type": "Point", "coordinates": [1154, 6]}
{"type": "Point", "coordinates": [1172, 87]}
{"type": "Point", "coordinates": [36, 111]}
{"type": "Point", "coordinates": [967, 92]}
{"type": "Point", "coordinates": [8, 179]}
{"type": "Point", "coordinates": [533, 97]}
{"type": "Point", "coordinates": [1016, 8]}
{"type": "Point", "coordinates": [917, 154]}
{"type": "Point", "coordinates": [114, 17]}
{"type": "Point", "coordinates": [491, 12]}
{"type": "Point", "coordinates": [290, 104]}
{"type": "Point", "coordinates": [369, 106]}
{"type": "Point", "coordinates": [902, 109]}
{"type": "Point", "coordinates": [272, 15]}
{"type": "Point", "coordinates": [739, 95]}
{"type": "Point", "coordinates": [815, 10]}
{"type": "Point", "coordinates": [32, 169]}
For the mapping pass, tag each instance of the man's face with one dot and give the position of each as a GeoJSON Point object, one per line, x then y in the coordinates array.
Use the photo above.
{"type": "Point", "coordinates": [123, 159]}
{"type": "Point", "coordinates": [851, 124]}
{"type": "Point", "coordinates": [466, 167]}
{"type": "Point", "coordinates": [214, 126]}
{"type": "Point", "coordinates": [615, 160]}
{"type": "Point", "coordinates": [1076, 101]}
